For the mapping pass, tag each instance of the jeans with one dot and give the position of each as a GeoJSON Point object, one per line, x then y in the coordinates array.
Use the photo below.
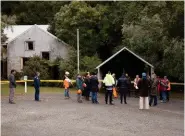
{"type": "Point", "coordinates": [94, 97]}
{"type": "Point", "coordinates": [66, 92]}
{"type": "Point", "coordinates": [108, 93]}
{"type": "Point", "coordinates": [161, 97]}
{"type": "Point", "coordinates": [37, 92]}
{"type": "Point", "coordinates": [153, 97]}
{"type": "Point", "coordinates": [167, 95]}
{"type": "Point", "coordinates": [123, 92]}
{"type": "Point", "coordinates": [164, 96]}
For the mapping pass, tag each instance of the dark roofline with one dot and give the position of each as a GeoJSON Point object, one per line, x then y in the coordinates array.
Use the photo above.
{"type": "Point", "coordinates": [120, 52]}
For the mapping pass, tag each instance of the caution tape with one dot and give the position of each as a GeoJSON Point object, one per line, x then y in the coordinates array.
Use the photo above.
{"type": "Point", "coordinates": [61, 81]}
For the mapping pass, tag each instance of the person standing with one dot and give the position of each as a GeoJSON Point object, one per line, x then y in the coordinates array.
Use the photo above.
{"type": "Point", "coordinates": [164, 86]}
{"type": "Point", "coordinates": [136, 80]}
{"type": "Point", "coordinates": [79, 85]}
{"type": "Point", "coordinates": [37, 86]}
{"type": "Point", "coordinates": [168, 91]}
{"type": "Point", "coordinates": [129, 85]}
{"type": "Point", "coordinates": [94, 87]}
{"type": "Point", "coordinates": [123, 84]}
{"type": "Point", "coordinates": [12, 86]}
{"type": "Point", "coordinates": [109, 83]}
{"type": "Point", "coordinates": [154, 87]}
{"type": "Point", "coordinates": [143, 86]}
{"type": "Point", "coordinates": [87, 89]}
{"type": "Point", "coordinates": [67, 83]}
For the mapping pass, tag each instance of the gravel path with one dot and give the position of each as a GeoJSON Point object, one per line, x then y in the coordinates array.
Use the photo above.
{"type": "Point", "coordinates": [55, 116]}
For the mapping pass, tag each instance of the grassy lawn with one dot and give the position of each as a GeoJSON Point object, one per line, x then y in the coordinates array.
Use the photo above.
{"type": "Point", "coordinates": [30, 90]}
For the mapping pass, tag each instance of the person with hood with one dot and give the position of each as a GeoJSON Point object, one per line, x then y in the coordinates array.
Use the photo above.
{"type": "Point", "coordinates": [109, 83]}
{"type": "Point", "coordinates": [154, 87]}
{"type": "Point", "coordinates": [94, 87]}
{"type": "Point", "coordinates": [143, 86]}
{"type": "Point", "coordinates": [79, 85]}
{"type": "Point", "coordinates": [123, 84]}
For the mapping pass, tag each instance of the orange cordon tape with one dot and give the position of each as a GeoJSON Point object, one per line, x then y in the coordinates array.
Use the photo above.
{"type": "Point", "coordinates": [60, 81]}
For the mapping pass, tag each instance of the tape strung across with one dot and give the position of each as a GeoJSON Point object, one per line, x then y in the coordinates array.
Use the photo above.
{"type": "Point", "coordinates": [61, 81]}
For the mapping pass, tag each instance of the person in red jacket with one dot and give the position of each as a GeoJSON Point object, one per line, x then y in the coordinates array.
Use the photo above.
{"type": "Point", "coordinates": [164, 86]}
{"type": "Point", "coordinates": [159, 89]}
{"type": "Point", "coordinates": [168, 91]}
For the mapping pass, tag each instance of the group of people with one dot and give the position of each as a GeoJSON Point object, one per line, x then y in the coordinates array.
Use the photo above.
{"type": "Point", "coordinates": [145, 88]}
{"type": "Point", "coordinates": [85, 85]}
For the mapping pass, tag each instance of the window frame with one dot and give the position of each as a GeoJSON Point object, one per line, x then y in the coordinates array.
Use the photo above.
{"type": "Point", "coordinates": [27, 45]}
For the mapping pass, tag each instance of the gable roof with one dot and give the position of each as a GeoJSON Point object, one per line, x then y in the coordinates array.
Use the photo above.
{"type": "Point", "coordinates": [16, 31]}
{"type": "Point", "coordinates": [120, 52]}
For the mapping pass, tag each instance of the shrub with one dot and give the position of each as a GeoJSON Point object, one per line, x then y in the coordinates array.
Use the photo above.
{"type": "Point", "coordinates": [36, 64]}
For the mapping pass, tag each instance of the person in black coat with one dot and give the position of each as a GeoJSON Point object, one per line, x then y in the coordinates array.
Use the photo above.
{"type": "Point", "coordinates": [123, 84]}
{"type": "Point", "coordinates": [37, 86]}
{"type": "Point", "coordinates": [94, 87]}
{"type": "Point", "coordinates": [87, 89]}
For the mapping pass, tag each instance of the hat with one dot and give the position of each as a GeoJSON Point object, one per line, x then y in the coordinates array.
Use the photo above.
{"type": "Point", "coordinates": [67, 73]}
{"type": "Point", "coordinates": [143, 74]}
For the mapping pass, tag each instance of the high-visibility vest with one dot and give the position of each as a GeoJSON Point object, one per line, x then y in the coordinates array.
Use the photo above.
{"type": "Point", "coordinates": [169, 86]}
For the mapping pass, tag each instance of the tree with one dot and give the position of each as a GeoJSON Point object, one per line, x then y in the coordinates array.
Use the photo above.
{"type": "Point", "coordinates": [36, 64]}
{"type": "Point", "coordinates": [150, 35]}
{"type": "Point", "coordinates": [6, 21]}
{"type": "Point", "coordinates": [89, 63]}
{"type": "Point", "coordinates": [32, 12]}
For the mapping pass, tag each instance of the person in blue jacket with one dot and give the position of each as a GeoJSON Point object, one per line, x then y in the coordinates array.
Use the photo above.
{"type": "Point", "coordinates": [37, 86]}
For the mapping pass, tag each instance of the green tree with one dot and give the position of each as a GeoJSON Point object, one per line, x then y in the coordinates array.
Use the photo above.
{"type": "Point", "coordinates": [36, 64]}
{"type": "Point", "coordinates": [6, 21]}
{"type": "Point", "coordinates": [89, 63]}
{"type": "Point", "coordinates": [150, 35]}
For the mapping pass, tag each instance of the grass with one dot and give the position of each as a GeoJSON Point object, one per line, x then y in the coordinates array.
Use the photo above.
{"type": "Point", "coordinates": [30, 90]}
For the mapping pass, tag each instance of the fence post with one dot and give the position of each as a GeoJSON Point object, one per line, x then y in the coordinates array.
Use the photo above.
{"type": "Point", "coordinates": [25, 84]}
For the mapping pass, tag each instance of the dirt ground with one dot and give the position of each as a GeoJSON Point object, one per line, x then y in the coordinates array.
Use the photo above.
{"type": "Point", "coordinates": [55, 116]}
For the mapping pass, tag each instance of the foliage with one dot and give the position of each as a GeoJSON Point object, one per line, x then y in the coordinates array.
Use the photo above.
{"type": "Point", "coordinates": [154, 30]}
{"type": "Point", "coordinates": [36, 64]}
{"type": "Point", "coordinates": [149, 35]}
{"type": "Point", "coordinates": [69, 64]}
{"type": "Point", "coordinates": [32, 12]}
{"type": "Point", "coordinates": [6, 21]}
{"type": "Point", "coordinates": [89, 63]}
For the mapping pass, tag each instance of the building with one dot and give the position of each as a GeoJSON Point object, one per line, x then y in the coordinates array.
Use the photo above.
{"type": "Point", "coordinates": [127, 61]}
{"type": "Point", "coordinates": [25, 41]}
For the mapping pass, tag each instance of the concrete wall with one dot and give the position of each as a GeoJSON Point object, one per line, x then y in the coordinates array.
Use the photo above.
{"type": "Point", "coordinates": [42, 41]}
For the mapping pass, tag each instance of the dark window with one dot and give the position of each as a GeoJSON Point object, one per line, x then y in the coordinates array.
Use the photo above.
{"type": "Point", "coordinates": [24, 61]}
{"type": "Point", "coordinates": [30, 45]}
{"type": "Point", "coordinates": [45, 55]}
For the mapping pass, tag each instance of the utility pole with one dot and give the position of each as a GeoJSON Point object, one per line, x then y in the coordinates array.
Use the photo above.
{"type": "Point", "coordinates": [78, 63]}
